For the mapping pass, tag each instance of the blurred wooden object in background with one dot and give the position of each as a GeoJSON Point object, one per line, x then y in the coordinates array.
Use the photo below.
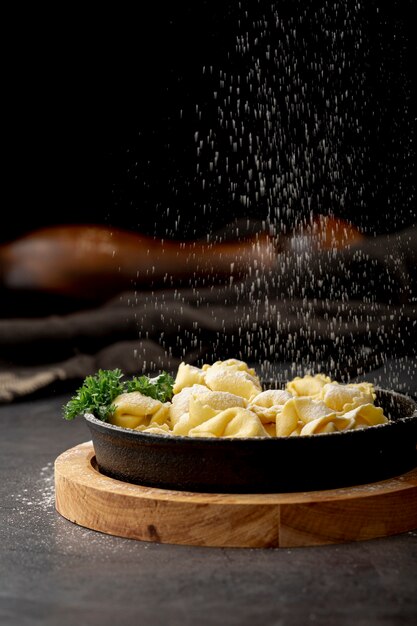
{"type": "Point", "coordinates": [95, 262]}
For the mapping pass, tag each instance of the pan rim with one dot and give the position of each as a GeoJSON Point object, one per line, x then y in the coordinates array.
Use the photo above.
{"type": "Point", "coordinates": [218, 441]}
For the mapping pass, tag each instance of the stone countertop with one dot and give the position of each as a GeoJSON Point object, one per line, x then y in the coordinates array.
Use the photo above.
{"type": "Point", "coordinates": [54, 572]}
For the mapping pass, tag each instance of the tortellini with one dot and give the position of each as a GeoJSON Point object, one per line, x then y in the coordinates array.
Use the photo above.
{"type": "Point", "coordinates": [233, 376]}
{"type": "Point", "coordinates": [308, 385]}
{"type": "Point", "coordinates": [187, 376]}
{"type": "Point", "coordinates": [226, 400]}
{"type": "Point", "coordinates": [133, 409]}
{"type": "Point", "coordinates": [180, 402]}
{"type": "Point", "coordinates": [345, 397]}
{"type": "Point", "coordinates": [203, 406]}
{"type": "Point", "coordinates": [268, 403]}
{"type": "Point", "coordinates": [233, 422]}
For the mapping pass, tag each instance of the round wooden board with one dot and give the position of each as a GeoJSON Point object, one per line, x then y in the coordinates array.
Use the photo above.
{"type": "Point", "coordinates": [282, 520]}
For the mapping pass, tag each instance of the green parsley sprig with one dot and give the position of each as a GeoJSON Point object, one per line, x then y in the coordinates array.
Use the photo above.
{"type": "Point", "coordinates": [97, 392]}
{"type": "Point", "coordinates": [158, 388]}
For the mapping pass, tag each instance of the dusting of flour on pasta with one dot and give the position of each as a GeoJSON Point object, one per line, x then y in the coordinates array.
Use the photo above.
{"type": "Point", "coordinates": [226, 400]}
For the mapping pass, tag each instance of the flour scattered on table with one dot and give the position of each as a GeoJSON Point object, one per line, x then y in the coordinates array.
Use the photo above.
{"type": "Point", "coordinates": [42, 496]}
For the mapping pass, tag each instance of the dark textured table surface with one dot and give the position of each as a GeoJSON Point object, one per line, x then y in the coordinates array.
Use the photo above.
{"type": "Point", "coordinates": [53, 572]}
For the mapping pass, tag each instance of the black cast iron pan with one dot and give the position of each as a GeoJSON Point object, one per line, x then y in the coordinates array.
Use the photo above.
{"type": "Point", "coordinates": [254, 465]}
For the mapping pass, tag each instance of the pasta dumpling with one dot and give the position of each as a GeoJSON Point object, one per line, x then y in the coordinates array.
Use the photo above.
{"type": "Point", "coordinates": [345, 397]}
{"type": "Point", "coordinates": [239, 382]}
{"type": "Point", "coordinates": [180, 402]}
{"type": "Point", "coordinates": [204, 405]}
{"type": "Point", "coordinates": [226, 399]}
{"type": "Point", "coordinates": [162, 429]}
{"type": "Point", "coordinates": [367, 415]}
{"type": "Point", "coordinates": [308, 385]}
{"type": "Point", "coordinates": [297, 412]}
{"type": "Point", "coordinates": [133, 409]}
{"type": "Point", "coordinates": [233, 422]}
{"type": "Point", "coordinates": [327, 424]}
{"type": "Point", "coordinates": [268, 404]}
{"type": "Point", "coordinates": [231, 364]}
{"type": "Point", "coordinates": [187, 376]}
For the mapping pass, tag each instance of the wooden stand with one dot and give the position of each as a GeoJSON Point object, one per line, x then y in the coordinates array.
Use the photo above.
{"type": "Point", "coordinates": [90, 499]}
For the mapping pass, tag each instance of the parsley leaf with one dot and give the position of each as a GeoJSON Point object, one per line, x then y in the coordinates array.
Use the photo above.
{"type": "Point", "coordinates": [96, 395]}
{"type": "Point", "coordinates": [98, 392]}
{"type": "Point", "coordinates": [158, 388]}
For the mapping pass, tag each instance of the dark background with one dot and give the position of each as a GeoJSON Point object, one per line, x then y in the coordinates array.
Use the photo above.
{"type": "Point", "coordinates": [101, 114]}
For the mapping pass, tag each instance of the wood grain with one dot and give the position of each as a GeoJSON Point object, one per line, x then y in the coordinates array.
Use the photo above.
{"type": "Point", "coordinates": [90, 499]}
